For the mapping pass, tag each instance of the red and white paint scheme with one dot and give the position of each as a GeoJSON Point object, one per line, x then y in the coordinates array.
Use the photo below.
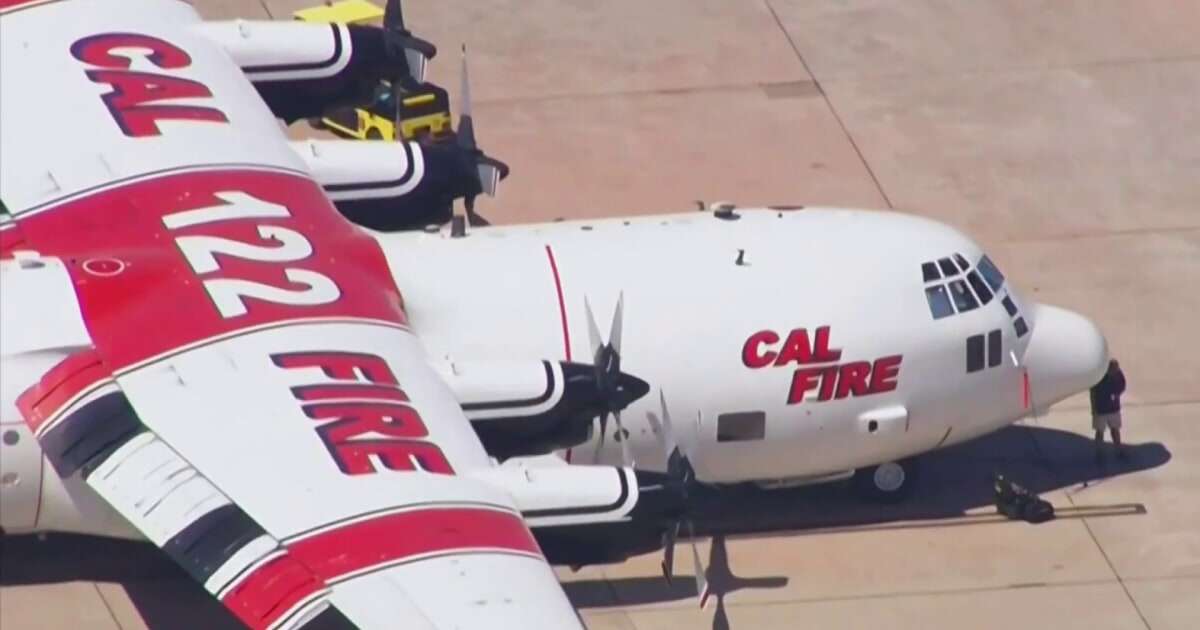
{"type": "Point", "coordinates": [194, 334]}
{"type": "Point", "coordinates": [794, 345]}
{"type": "Point", "coordinates": [198, 350]}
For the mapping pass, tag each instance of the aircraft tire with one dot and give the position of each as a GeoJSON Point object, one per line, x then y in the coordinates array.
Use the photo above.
{"type": "Point", "coordinates": [889, 482]}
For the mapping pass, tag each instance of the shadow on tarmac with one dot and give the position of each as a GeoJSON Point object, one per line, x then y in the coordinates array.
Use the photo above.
{"type": "Point", "coordinates": [951, 482]}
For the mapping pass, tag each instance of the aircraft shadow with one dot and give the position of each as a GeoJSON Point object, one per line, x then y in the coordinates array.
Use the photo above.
{"type": "Point", "coordinates": [952, 482]}
{"type": "Point", "coordinates": [721, 581]}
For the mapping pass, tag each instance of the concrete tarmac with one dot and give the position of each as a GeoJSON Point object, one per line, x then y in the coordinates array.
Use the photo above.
{"type": "Point", "coordinates": [1061, 135]}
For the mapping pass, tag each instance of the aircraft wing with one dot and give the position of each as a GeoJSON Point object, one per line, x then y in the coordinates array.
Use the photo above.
{"type": "Point", "coordinates": [252, 399]}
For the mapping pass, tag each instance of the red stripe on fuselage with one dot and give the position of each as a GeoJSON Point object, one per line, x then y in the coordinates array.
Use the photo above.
{"type": "Point", "coordinates": [141, 297]}
{"type": "Point", "coordinates": [382, 541]}
{"type": "Point", "coordinates": [562, 314]}
{"type": "Point", "coordinates": [562, 306]}
{"type": "Point", "coordinates": [72, 376]}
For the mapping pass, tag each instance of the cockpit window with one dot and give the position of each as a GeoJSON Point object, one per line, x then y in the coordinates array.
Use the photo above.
{"type": "Point", "coordinates": [981, 289]}
{"type": "Point", "coordinates": [952, 286]}
{"type": "Point", "coordinates": [939, 301]}
{"type": "Point", "coordinates": [963, 299]}
{"type": "Point", "coordinates": [991, 274]}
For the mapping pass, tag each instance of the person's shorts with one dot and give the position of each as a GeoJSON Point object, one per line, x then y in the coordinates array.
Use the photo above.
{"type": "Point", "coordinates": [1104, 421]}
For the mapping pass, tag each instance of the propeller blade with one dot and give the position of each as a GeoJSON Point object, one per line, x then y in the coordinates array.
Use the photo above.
{"type": "Point", "coordinates": [614, 335]}
{"type": "Point", "coordinates": [698, 568]}
{"type": "Point", "coordinates": [593, 330]}
{"type": "Point", "coordinates": [668, 432]}
{"type": "Point", "coordinates": [397, 119]}
{"type": "Point", "coordinates": [668, 563]}
{"type": "Point", "coordinates": [393, 16]}
{"type": "Point", "coordinates": [679, 465]}
{"type": "Point", "coordinates": [417, 52]}
{"type": "Point", "coordinates": [602, 422]}
{"type": "Point", "coordinates": [417, 60]}
{"type": "Point", "coordinates": [490, 175]}
{"type": "Point", "coordinates": [465, 86]}
{"type": "Point", "coordinates": [466, 124]}
{"type": "Point", "coordinates": [626, 455]}
{"type": "Point", "coordinates": [656, 426]}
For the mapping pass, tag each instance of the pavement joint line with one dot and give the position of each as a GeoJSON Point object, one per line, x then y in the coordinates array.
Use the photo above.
{"type": "Point", "coordinates": [1099, 235]}
{"type": "Point", "coordinates": [1164, 578]}
{"type": "Point", "coordinates": [266, 9]}
{"type": "Point", "coordinates": [111, 613]}
{"type": "Point", "coordinates": [1015, 70]}
{"type": "Point", "coordinates": [640, 92]}
{"type": "Point", "coordinates": [828, 103]}
{"type": "Point", "coordinates": [1048, 463]}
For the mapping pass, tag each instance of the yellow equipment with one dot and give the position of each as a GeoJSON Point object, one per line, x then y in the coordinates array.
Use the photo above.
{"type": "Point", "coordinates": [345, 11]}
{"type": "Point", "coordinates": [425, 113]}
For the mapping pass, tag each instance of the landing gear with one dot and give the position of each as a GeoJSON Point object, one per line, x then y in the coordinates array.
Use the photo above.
{"type": "Point", "coordinates": [889, 482]}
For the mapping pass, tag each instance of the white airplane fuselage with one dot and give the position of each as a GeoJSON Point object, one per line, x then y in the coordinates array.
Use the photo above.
{"type": "Point", "coordinates": [881, 378]}
{"type": "Point", "coordinates": [786, 344]}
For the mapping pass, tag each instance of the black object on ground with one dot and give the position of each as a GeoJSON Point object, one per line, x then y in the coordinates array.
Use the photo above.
{"type": "Point", "coordinates": [1016, 502]}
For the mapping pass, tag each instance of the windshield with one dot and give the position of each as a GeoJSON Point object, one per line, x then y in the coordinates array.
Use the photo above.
{"type": "Point", "coordinates": [990, 273]}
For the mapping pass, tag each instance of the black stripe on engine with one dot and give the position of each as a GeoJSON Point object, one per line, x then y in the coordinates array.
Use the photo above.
{"type": "Point", "coordinates": [586, 509]}
{"type": "Point", "coordinates": [510, 404]}
{"type": "Point", "coordinates": [303, 67]}
{"type": "Point", "coordinates": [404, 178]}
{"type": "Point", "coordinates": [330, 619]}
{"type": "Point", "coordinates": [211, 540]}
{"type": "Point", "coordinates": [89, 435]}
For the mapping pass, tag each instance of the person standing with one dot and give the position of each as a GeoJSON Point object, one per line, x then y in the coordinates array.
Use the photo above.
{"type": "Point", "coordinates": [1106, 408]}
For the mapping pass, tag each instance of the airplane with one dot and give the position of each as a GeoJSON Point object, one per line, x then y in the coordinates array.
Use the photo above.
{"type": "Point", "coordinates": [196, 337]}
{"type": "Point", "coordinates": [184, 309]}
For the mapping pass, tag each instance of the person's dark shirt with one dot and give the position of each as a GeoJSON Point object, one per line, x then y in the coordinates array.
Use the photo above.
{"type": "Point", "coordinates": [1106, 395]}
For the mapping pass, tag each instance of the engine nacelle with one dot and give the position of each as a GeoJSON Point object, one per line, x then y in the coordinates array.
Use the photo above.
{"type": "Point", "coordinates": [583, 515]}
{"type": "Point", "coordinates": [531, 407]}
{"type": "Point", "coordinates": [391, 186]}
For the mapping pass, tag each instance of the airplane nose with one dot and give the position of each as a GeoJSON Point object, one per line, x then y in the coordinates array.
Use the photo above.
{"type": "Point", "coordinates": [1066, 355]}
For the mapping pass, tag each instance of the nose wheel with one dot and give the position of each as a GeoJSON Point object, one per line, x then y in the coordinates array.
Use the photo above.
{"type": "Point", "coordinates": [889, 482]}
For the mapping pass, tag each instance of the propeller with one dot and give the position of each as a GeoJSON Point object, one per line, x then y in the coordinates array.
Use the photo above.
{"type": "Point", "coordinates": [488, 170]}
{"type": "Point", "coordinates": [413, 52]}
{"type": "Point", "coordinates": [401, 45]}
{"type": "Point", "coordinates": [617, 390]}
{"type": "Point", "coordinates": [680, 472]}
